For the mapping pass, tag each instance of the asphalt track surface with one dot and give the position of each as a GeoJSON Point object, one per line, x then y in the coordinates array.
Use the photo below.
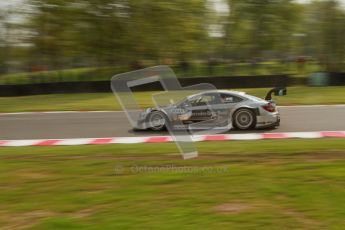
{"type": "Point", "coordinates": [115, 124]}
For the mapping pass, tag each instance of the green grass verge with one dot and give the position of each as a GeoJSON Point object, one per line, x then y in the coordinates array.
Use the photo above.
{"type": "Point", "coordinates": [67, 75]}
{"type": "Point", "coordinates": [195, 70]}
{"type": "Point", "coordinates": [273, 184]}
{"type": "Point", "coordinates": [107, 101]}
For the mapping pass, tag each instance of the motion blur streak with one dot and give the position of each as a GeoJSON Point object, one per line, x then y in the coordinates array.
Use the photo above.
{"type": "Point", "coordinates": [37, 35]}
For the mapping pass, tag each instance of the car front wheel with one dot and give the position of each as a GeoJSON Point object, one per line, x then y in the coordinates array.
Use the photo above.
{"type": "Point", "coordinates": [157, 121]}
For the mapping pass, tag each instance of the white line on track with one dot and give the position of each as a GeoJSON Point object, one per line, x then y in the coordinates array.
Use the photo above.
{"type": "Point", "coordinates": [58, 112]}
{"type": "Point", "coordinates": [310, 106]}
{"type": "Point", "coordinates": [109, 111]}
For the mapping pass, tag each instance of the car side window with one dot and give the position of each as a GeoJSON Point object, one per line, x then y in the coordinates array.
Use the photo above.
{"type": "Point", "coordinates": [206, 99]}
{"type": "Point", "coordinates": [229, 98]}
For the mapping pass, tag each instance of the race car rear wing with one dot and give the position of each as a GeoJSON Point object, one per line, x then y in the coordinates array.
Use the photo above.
{"type": "Point", "coordinates": [278, 91]}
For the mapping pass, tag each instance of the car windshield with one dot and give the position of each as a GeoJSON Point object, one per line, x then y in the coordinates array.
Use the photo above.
{"type": "Point", "coordinates": [190, 101]}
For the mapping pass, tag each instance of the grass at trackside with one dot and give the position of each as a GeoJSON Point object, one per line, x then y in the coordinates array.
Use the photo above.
{"type": "Point", "coordinates": [273, 184]}
{"type": "Point", "coordinates": [106, 101]}
{"type": "Point", "coordinates": [194, 70]}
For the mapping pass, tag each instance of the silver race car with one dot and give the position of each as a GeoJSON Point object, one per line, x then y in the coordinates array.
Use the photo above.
{"type": "Point", "coordinates": [217, 108]}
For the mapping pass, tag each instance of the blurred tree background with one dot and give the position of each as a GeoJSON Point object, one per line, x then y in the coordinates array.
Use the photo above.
{"type": "Point", "coordinates": [37, 35]}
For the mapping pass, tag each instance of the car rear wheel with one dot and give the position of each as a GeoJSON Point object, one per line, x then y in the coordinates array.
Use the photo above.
{"type": "Point", "coordinates": [157, 121]}
{"type": "Point", "coordinates": [244, 119]}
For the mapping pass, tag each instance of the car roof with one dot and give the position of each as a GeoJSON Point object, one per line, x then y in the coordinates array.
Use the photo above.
{"type": "Point", "coordinates": [219, 91]}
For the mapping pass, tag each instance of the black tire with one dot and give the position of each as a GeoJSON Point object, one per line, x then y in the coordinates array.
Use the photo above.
{"type": "Point", "coordinates": [157, 121]}
{"type": "Point", "coordinates": [244, 119]}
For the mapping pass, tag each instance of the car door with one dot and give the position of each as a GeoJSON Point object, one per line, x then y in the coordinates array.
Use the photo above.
{"type": "Point", "coordinates": [227, 103]}
{"type": "Point", "coordinates": [202, 107]}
